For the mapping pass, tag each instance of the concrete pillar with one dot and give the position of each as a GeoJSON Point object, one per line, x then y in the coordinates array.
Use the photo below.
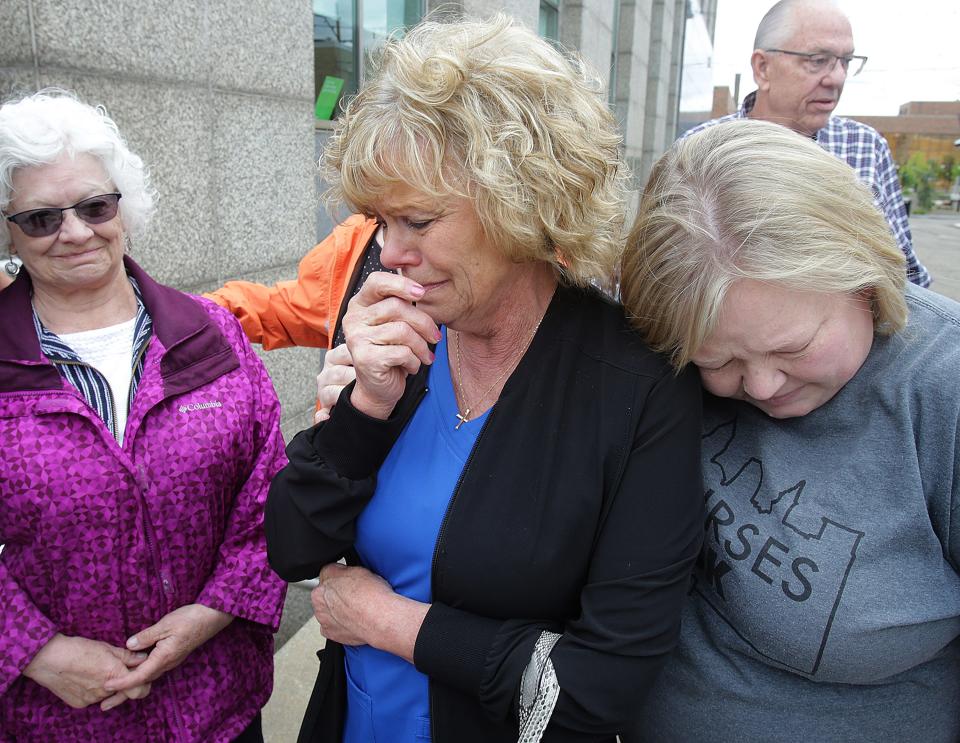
{"type": "Point", "coordinates": [632, 82]}
{"type": "Point", "coordinates": [216, 97]}
{"type": "Point", "coordinates": [588, 27]}
{"type": "Point", "coordinates": [658, 94]}
{"type": "Point", "coordinates": [676, 70]}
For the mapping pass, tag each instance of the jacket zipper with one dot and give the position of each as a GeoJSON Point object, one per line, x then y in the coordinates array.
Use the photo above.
{"type": "Point", "coordinates": [436, 549]}
{"type": "Point", "coordinates": [166, 581]}
{"type": "Point", "coordinates": [133, 370]}
{"type": "Point", "coordinates": [166, 587]}
{"type": "Point", "coordinates": [110, 401]}
{"type": "Point", "coordinates": [136, 360]}
{"type": "Point", "coordinates": [166, 584]}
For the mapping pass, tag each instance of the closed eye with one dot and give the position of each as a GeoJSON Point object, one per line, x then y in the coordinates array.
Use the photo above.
{"type": "Point", "coordinates": [419, 225]}
{"type": "Point", "coordinates": [796, 352]}
{"type": "Point", "coordinates": [712, 367]}
{"type": "Point", "coordinates": [413, 224]}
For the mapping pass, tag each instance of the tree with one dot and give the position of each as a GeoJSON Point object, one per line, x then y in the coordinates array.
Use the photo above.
{"type": "Point", "coordinates": [918, 175]}
{"type": "Point", "coordinates": [949, 169]}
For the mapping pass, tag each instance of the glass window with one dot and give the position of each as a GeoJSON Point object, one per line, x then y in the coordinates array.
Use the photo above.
{"type": "Point", "coordinates": [334, 63]}
{"type": "Point", "coordinates": [382, 17]}
{"type": "Point", "coordinates": [614, 56]}
{"type": "Point", "coordinates": [549, 25]}
{"type": "Point", "coordinates": [340, 42]}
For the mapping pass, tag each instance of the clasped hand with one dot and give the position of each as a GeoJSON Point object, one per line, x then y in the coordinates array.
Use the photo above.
{"type": "Point", "coordinates": [77, 670]}
{"type": "Point", "coordinates": [388, 339]}
{"type": "Point", "coordinates": [82, 672]}
{"type": "Point", "coordinates": [169, 642]}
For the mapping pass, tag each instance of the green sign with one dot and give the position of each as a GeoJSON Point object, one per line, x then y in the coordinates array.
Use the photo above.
{"type": "Point", "coordinates": [329, 93]}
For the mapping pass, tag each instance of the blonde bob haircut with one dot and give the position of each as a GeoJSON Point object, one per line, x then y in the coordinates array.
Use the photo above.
{"type": "Point", "coordinates": [491, 112]}
{"type": "Point", "coordinates": [752, 200]}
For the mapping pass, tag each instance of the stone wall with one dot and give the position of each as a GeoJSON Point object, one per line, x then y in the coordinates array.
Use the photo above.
{"type": "Point", "coordinates": [216, 97]}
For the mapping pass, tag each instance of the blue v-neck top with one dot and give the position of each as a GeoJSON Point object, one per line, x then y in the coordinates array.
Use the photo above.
{"type": "Point", "coordinates": [387, 698]}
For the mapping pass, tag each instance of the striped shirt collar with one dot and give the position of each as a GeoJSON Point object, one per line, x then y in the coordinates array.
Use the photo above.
{"type": "Point", "coordinates": [88, 381]}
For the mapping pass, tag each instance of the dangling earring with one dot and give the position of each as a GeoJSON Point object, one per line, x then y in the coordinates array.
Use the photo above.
{"type": "Point", "coordinates": [11, 267]}
{"type": "Point", "coordinates": [126, 243]}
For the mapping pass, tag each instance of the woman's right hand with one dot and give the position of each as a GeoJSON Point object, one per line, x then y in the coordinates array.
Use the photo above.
{"type": "Point", "coordinates": [76, 669]}
{"type": "Point", "coordinates": [388, 338]}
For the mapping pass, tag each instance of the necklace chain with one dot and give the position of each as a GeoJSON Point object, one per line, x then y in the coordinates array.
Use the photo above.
{"type": "Point", "coordinates": [464, 415]}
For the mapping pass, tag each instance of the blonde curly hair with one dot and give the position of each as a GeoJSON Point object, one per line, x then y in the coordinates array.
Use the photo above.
{"type": "Point", "coordinates": [752, 200]}
{"type": "Point", "coordinates": [490, 111]}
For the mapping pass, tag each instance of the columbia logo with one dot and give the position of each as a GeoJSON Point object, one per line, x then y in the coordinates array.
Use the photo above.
{"type": "Point", "coordinates": [192, 406]}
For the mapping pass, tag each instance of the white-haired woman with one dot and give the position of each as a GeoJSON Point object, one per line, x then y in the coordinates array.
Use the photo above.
{"type": "Point", "coordinates": [140, 432]}
{"type": "Point", "coordinates": [522, 499]}
{"type": "Point", "coordinates": [827, 599]}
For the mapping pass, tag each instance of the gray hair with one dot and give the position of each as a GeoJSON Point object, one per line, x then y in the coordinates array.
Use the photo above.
{"type": "Point", "coordinates": [752, 200]}
{"type": "Point", "coordinates": [778, 24]}
{"type": "Point", "coordinates": [39, 128]}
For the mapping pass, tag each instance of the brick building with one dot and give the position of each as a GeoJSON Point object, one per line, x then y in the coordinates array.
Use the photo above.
{"type": "Point", "coordinates": [927, 127]}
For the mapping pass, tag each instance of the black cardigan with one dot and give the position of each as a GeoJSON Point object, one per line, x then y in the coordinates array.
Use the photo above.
{"type": "Point", "coordinates": [579, 511]}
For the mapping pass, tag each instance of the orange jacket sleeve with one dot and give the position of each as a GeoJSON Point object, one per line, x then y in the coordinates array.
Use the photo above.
{"type": "Point", "coordinates": [303, 311]}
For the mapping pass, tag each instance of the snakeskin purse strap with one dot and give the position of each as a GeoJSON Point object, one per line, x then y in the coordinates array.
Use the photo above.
{"type": "Point", "coordinates": [539, 690]}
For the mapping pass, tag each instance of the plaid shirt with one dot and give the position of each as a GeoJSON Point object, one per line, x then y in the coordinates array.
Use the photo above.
{"type": "Point", "coordinates": [865, 150]}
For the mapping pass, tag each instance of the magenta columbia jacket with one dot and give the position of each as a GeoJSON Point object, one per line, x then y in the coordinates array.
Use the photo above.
{"type": "Point", "coordinates": [102, 541]}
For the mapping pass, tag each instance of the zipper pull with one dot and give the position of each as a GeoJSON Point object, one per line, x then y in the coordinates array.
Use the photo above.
{"type": "Point", "coordinates": [142, 482]}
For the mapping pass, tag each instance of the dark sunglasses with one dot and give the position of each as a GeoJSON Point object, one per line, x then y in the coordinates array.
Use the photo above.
{"type": "Point", "coordinates": [45, 222]}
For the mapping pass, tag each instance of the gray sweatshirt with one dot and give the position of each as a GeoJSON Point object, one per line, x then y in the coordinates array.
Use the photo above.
{"type": "Point", "coordinates": [826, 605]}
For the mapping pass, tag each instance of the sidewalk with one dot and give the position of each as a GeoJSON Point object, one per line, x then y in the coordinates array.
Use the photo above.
{"type": "Point", "coordinates": [936, 240]}
{"type": "Point", "coordinates": [295, 670]}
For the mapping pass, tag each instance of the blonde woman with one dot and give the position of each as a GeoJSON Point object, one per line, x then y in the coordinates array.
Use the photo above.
{"type": "Point", "coordinates": [519, 503]}
{"type": "Point", "coordinates": [827, 599]}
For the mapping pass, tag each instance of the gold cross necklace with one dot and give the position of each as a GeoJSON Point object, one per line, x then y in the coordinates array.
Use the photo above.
{"type": "Point", "coordinates": [464, 416]}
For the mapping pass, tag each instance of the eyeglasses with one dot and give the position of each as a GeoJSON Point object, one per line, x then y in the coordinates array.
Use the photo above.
{"type": "Point", "coordinates": [821, 63]}
{"type": "Point", "coordinates": [45, 222]}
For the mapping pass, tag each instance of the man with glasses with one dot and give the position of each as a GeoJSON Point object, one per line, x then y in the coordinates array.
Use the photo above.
{"type": "Point", "coordinates": [803, 54]}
